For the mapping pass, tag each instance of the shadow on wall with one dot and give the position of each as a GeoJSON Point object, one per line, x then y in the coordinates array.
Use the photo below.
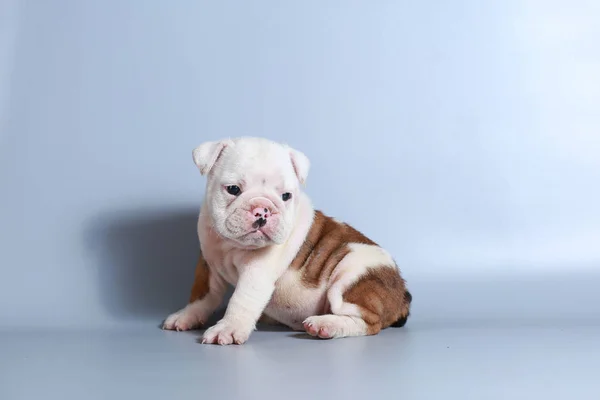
{"type": "Point", "coordinates": [145, 260]}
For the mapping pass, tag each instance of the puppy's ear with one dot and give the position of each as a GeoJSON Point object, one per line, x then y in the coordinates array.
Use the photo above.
{"type": "Point", "coordinates": [301, 164]}
{"type": "Point", "coordinates": [207, 154]}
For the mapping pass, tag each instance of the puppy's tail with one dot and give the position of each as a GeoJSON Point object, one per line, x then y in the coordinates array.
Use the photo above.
{"type": "Point", "coordinates": [406, 307]}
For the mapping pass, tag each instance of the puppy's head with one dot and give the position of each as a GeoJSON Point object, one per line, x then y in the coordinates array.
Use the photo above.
{"type": "Point", "coordinates": [252, 189]}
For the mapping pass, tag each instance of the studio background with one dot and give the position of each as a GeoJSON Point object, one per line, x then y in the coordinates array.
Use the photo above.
{"type": "Point", "coordinates": [462, 136]}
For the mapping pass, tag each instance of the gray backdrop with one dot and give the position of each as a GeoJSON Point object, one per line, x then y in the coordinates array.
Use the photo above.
{"type": "Point", "coordinates": [463, 136]}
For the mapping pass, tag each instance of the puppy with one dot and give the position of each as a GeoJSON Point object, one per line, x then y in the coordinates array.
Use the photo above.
{"type": "Point", "coordinates": [288, 263]}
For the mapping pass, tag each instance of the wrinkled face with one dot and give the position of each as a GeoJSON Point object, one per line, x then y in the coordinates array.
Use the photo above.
{"type": "Point", "coordinates": [252, 190]}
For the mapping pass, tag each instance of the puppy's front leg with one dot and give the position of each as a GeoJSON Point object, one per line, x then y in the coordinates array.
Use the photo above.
{"type": "Point", "coordinates": [207, 293]}
{"type": "Point", "coordinates": [252, 293]}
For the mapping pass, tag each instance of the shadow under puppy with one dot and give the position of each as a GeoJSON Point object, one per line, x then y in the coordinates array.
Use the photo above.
{"type": "Point", "coordinates": [288, 262]}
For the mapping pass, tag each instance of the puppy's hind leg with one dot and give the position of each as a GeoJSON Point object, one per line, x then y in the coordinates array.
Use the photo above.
{"type": "Point", "coordinates": [376, 300]}
{"type": "Point", "coordinates": [345, 319]}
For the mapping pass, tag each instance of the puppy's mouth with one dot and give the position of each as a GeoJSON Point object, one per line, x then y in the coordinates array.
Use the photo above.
{"type": "Point", "coordinates": [256, 232]}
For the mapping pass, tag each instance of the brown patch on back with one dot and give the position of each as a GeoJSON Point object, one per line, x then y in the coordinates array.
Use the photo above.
{"type": "Point", "coordinates": [201, 280]}
{"type": "Point", "coordinates": [324, 247]}
{"type": "Point", "coordinates": [382, 298]}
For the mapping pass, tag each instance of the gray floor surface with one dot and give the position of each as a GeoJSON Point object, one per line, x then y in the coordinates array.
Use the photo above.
{"type": "Point", "coordinates": [420, 361]}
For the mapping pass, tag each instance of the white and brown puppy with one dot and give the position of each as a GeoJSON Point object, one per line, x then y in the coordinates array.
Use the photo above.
{"type": "Point", "coordinates": [289, 263]}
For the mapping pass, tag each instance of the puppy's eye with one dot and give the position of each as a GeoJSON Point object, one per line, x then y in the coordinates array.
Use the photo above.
{"type": "Point", "coordinates": [286, 196]}
{"type": "Point", "coordinates": [233, 190]}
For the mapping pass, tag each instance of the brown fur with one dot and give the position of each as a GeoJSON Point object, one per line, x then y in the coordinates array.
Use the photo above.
{"type": "Point", "coordinates": [324, 247]}
{"type": "Point", "coordinates": [382, 298]}
{"type": "Point", "coordinates": [380, 294]}
{"type": "Point", "coordinates": [201, 280]}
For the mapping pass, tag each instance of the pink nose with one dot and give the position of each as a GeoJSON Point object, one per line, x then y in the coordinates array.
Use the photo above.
{"type": "Point", "coordinates": [261, 212]}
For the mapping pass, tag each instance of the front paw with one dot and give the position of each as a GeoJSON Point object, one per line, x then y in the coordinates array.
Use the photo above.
{"type": "Point", "coordinates": [183, 320]}
{"type": "Point", "coordinates": [227, 332]}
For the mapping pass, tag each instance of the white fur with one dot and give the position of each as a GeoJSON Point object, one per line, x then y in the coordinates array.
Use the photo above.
{"type": "Point", "coordinates": [353, 266]}
{"type": "Point", "coordinates": [293, 302]}
{"type": "Point", "coordinates": [256, 261]}
{"type": "Point", "coordinates": [252, 293]}
{"type": "Point", "coordinates": [301, 164]}
{"type": "Point", "coordinates": [207, 153]}
{"type": "Point", "coordinates": [253, 262]}
{"type": "Point", "coordinates": [263, 170]}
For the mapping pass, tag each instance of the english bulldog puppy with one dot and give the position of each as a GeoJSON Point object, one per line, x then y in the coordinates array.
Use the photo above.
{"type": "Point", "coordinates": [288, 262]}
